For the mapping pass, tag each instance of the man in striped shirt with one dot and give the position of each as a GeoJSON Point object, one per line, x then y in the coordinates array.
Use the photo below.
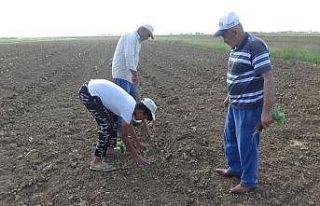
{"type": "Point", "coordinates": [250, 100]}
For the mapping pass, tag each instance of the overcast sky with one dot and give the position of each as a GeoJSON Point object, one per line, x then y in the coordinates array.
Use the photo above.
{"type": "Point", "coordinates": [22, 18]}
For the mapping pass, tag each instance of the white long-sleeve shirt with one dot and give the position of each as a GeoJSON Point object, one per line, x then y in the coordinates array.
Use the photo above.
{"type": "Point", "coordinates": [126, 56]}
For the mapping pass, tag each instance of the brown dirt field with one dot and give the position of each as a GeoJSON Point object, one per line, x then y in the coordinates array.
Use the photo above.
{"type": "Point", "coordinates": [47, 137]}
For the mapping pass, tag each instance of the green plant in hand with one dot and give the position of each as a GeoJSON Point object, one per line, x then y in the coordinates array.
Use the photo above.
{"type": "Point", "coordinates": [277, 116]}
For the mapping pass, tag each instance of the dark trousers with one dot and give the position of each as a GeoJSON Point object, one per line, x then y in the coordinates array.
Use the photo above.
{"type": "Point", "coordinates": [106, 120]}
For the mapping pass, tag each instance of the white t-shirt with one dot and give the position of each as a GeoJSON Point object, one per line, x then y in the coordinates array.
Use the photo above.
{"type": "Point", "coordinates": [126, 56]}
{"type": "Point", "coordinates": [113, 97]}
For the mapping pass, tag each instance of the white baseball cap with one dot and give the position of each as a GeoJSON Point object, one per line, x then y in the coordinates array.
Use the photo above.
{"type": "Point", "coordinates": [227, 22]}
{"type": "Point", "coordinates": [149, 103]}
{"type": "Point", "coordinates": [149, 28]}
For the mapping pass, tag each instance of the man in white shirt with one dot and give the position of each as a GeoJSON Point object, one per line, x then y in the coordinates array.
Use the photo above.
{"type": "Point", "coordinates": [125, 64]}
{"type": "Point", "coordinates": [106, 101]}
{"type": "Point", "coordinates": [126, 58]}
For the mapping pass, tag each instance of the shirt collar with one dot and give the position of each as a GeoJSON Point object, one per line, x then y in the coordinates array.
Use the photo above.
{"type": "Point", "coordinates": [243, 42]}
{"type": "Point", "coordinates": [138, 36]}
{"type": "Point", "coordinates": [134, 119]}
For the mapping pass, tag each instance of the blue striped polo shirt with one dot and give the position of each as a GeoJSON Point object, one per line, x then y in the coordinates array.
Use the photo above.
{"type": "Point", "coordinates": [246, 65]}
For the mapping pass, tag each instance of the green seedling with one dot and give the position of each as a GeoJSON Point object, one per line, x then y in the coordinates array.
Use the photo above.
{"type": "Point", "coordinates": [277, 116]}
{"type": "Point", "coordinates": [121, 147]}
{"type": "Point", "coordinates": [146, 152]}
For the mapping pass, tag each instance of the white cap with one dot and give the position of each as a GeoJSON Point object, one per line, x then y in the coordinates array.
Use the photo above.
{"type": "Point", "coordinates": [149, 103]}
{"type": "Point", "coordinates": [149, 28]}
{"type": "Point", "coordinates": [227, 22]}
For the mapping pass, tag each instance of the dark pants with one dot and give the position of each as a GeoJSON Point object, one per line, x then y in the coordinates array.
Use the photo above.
{"type": "Point", "coordinates": [106, 120]}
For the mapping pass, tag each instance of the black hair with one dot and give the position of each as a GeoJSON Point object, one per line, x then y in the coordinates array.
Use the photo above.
{"type": "Point", "coordinates": [145, 110]}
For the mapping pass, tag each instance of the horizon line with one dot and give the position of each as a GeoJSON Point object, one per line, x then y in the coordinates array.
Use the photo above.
{"type": "Point", "coordinates": [168, 34]}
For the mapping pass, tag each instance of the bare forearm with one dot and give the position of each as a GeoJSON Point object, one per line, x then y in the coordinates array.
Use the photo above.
{"type": "Point", "coordinates": [268, 92]}
{"type": "Point", "coordinates": [130, 147]}
{"type": "Point", "coordinates": [135, 78]}
{"type": "Point", "coordinates": [127, 130]}
{"type": "Point", "coordinates": [133, 134]}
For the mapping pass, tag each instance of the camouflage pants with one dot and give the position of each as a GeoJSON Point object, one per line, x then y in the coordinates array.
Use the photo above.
{"type": "Point", "coordinates": [106, 120]}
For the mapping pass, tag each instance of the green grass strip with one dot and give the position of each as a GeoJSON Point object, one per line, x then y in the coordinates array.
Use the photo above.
{"type": "Point", "coordinates": [305, 55]}
{"type": "Point", "coordinates": [309, 55]}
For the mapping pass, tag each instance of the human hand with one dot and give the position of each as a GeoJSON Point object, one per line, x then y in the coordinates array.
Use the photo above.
{"type": "Point", "coordinates": [277, 116]}
{"type": "Point", "coordinates": [142, 145]}
{"type": "Point", "coordinates": [139, 146]}
{"type": "Point", "coordinates": [135, 79]}
{"type": "Point", "coordinates": [266, 119]}
{"type": "Point", "coordinates": [226, 102]}
{"type": "Point", "coordinates": [265, 122]}
{"type": "Point", "coordinates": [142, 160]}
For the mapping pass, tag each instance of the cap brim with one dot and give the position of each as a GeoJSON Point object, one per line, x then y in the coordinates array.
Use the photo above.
{"type": "Point", "coordinates": [220, 33]}
{"type": "Point", "coordinates": [153, 116]}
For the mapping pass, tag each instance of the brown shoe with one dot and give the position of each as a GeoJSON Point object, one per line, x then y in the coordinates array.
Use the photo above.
{"type": "Point", "coordinates": [226, 174]}
{"type": "Point", "coordinates": [240, 189]}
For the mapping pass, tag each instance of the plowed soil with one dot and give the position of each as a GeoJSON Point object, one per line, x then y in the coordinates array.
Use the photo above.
{"type": "Point", "coordinates": [48, 138]}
